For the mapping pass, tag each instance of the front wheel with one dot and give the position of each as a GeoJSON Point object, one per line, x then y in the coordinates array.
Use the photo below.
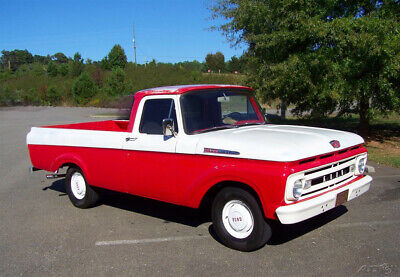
{"type": "Point", "coordinates": [238, 220]}
{"type": "Point", "coordinates": [78, 190]}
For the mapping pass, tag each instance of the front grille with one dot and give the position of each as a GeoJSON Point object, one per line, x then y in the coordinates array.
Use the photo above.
{"type": "Point", "coordinates": [328, 176]}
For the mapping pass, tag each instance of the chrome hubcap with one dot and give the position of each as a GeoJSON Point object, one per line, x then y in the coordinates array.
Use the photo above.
{"type": "Point", "coordinates": [237, 219]}
{"type": "Point", "coordinates": [78, 185]}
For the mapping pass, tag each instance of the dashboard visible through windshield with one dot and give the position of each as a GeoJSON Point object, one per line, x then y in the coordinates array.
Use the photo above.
{"type": "Point", "coordinates": [205, 111]}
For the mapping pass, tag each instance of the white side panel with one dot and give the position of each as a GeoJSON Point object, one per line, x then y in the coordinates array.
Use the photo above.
{"type": "Point", "coordinates": [79, 138]}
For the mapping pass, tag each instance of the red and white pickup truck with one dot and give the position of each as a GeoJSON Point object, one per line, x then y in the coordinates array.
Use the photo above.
{"type": "Point", "coordinates": [188, 144]}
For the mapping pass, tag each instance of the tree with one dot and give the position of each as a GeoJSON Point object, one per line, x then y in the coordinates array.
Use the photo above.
{"type": "Point", "coordinates": [321, 56]}
{"type": "Point", "coordinates": [97, 76]}
{"type": "Point", "coordinates": [215, 62]}
{"type": "Point", "coordinates": [191, 66]}
{"type": "Point", "coordinates": [83, 89]}
{"type": "Point", "coordinates": [236, 64]}
{"type": "Point", "coordinates": [52, 69]}
{"type": "Point", "coordinates": [16, 58]}
{"type": "Point", "coordinates": [116, 84]}
{"type": "Point", "coordinates": [77, 65]}
{"type": "Point", "coordinates": [63, 69]}
{"type": "Point", "coordinates": [116, 57]}
{"type": "Point", "coordinates": [41, 59]}
{"type": "Point", "coordinates": [60, 58]}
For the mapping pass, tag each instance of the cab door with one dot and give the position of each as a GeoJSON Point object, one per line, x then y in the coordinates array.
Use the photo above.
{"type": "Point", "coordinates": [151, 162]}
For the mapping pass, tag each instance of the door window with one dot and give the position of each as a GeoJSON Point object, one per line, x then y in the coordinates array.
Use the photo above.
{"type": "Point", "coordinates": [154, 111]}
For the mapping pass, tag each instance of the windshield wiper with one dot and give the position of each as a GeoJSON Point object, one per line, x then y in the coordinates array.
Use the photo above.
{"type": "Point", "coordinates": [215, 128]}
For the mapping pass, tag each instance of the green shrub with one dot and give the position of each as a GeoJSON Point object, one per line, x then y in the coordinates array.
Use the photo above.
{"type": "Point", "coordinates": [37, 69]}
{"type": "Point", "coordinates": [5, 75]}
{"type": "Point", "coordinates": [116, 83]}
{"type": "Point", "coordinates": [30, 97]}
{"type": "Point", "coordinates": [63, 69]}
{"type": "Point", "coordinates": [100, 99]}
{"type": "Point", "coordinates": [3, 96]}
{"type": "Point", "coordinates": [52, 69]}
{"type": "Point", "coordinates": [54, 95]}
{"type": "Point", "coordinates": [9, 97]}
{"type": "Point", "coordinates": [83, 89]}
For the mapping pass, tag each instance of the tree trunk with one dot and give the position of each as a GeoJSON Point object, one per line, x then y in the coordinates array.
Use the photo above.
{"type": "Point", "coordinates": [283, 110]}
{"type": "Point", "coordinates": [364, 116]}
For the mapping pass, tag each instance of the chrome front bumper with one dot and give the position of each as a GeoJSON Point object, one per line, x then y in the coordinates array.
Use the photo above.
{"type": "Point", "coordinates": [308, 208]}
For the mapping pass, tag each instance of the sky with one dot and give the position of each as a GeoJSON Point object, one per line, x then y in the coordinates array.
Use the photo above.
{"type": "Point", "coordinates": [166, 30]}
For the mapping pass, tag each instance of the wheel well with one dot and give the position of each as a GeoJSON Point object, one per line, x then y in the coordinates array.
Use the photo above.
{"type": "Point", "coordinates": [69, 165]}
{"type": "Point", "coordinates": [206, 201]}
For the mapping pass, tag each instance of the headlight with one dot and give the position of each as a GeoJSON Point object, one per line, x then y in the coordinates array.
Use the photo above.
{"type": "Point", "coordinates": [360, 165]}
{"type": "Point", "coordinates": [298, 188]}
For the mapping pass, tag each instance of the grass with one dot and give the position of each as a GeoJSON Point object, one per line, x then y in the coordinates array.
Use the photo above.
{"type": "Point", "coordinates": [383, 142]}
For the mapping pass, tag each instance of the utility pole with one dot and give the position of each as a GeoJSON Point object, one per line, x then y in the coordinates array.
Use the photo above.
{"type": "Point", "coordinates": [134, 41]}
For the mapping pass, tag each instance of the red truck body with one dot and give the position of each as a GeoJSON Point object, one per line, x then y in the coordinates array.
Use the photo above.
{"type": "Point", "coordinates": [115, 155]}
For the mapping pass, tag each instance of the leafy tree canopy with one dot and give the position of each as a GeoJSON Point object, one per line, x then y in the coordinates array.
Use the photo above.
{"type": "Point", "coordinates": [16, 58]}
{"type": "Point", "coordinates": [77, 65]}
{"type": "Point", "coordinates": [41, 59]}
{"type": "Point", "coordinates": [60, 58]}
{"type": "Point", "coordinates": [117, 57]}
{"type": "Point", "coordinates": [216, 61]}
{"type": "Point", "coordinates": [320, 56]}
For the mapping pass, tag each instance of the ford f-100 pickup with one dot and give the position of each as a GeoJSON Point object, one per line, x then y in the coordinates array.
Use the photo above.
{"type": "Point", "coordinates": [188, 145]}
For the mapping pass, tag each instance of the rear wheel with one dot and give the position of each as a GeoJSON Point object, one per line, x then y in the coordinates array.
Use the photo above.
{"type": "Point", "coordinates": [238, 220]}
{"type": "Point", "coordinates": [79, 191]}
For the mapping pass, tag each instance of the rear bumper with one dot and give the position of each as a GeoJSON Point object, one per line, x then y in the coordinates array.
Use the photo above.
{"type": "Point", "coordinates": [306, 209]}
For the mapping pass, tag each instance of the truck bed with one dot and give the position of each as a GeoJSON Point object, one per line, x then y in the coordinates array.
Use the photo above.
{"type": "Point", "coordinates": [108, 125]}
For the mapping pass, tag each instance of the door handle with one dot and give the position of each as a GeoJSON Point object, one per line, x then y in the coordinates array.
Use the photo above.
{"type": "Point", "coordinates": [130, 139]}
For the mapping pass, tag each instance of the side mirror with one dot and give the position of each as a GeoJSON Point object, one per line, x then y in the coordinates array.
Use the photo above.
{"type": "Point", "coordinates": [168, 127]}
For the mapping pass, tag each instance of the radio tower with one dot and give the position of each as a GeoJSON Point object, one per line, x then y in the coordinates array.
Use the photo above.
{"type": "Point", "coordinates": [134, 41]}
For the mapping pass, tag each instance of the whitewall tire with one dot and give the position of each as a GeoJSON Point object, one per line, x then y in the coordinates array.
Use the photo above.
{"type": "Point", "coordinates": [81, 194]}
{"type": "Point", "coordinates": [238, 220]}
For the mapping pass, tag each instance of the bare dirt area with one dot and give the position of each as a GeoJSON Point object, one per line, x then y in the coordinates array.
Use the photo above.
{"type": "Point", "coordinates": [42, 234]}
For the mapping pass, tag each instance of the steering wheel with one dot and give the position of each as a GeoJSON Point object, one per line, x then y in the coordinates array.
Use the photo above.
{"type": "Point", "coordinates": [234, 115]}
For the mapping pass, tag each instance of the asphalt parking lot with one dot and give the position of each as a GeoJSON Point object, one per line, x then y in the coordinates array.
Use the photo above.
{"type": "Point", "coordinates": [42, 234]}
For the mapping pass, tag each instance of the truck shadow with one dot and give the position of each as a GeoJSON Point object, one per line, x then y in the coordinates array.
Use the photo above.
{"type": "Point", "coordinates": [194, 217]}
{"type": "Point", "coordinates": [165, 211]}
{"type": "Point", "coordinates": [284, 233]}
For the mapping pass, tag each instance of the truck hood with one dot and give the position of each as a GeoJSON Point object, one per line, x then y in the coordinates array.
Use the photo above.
{"type": "Point", "coordinates": [281, 143]}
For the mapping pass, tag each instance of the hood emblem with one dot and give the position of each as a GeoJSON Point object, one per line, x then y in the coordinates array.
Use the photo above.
{"type": "Point", "coordinates": [220, 151]}
{"type": "Point", "coordinates": [335, 143]}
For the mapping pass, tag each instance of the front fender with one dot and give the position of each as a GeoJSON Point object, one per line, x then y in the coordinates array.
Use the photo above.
{"type": "Point", "coordinates": [216, 175]}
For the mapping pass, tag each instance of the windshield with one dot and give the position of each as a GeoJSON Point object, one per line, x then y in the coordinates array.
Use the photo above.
{"type": "Point", "coordinates": [219, 109]}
